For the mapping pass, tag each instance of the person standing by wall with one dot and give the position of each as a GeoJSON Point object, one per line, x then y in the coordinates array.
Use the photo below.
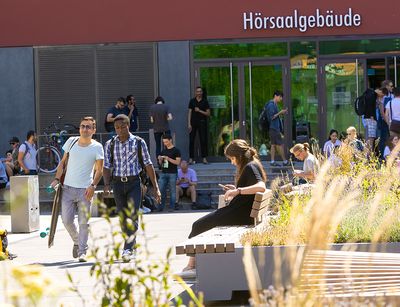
{"type": "Point", "coordinates": [112, 113]}
{"type": "Point", "coordinates": [85, 156]}
{"type": "Point", "coordinates": [122, 162]}
{"type": "Point", "coordinates": [386, 89]}
{"type": "Point", "coordinates": [169, 159]}
{"type": "Point", "coordinates": [199, 111]}
{"type": "Point", "coordinates": [392, 113]}
{"type": "Point", "coordinates": [27, 153]}
{"type": "Point", "coordinates": [133, 113]}
{"type": "Point", "coordinates": [276, 127]}
{"type": "Point", "coordinates": [159, 117]}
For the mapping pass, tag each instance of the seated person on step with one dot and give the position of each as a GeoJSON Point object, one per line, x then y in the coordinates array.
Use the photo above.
{"type": "Point", "coordinates": [250, 178]}
{"type": "Point", "coordinates": [186, 183]}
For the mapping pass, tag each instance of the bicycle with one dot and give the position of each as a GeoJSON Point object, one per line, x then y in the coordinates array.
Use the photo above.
{"type": "Point", "coordinates": [50, 154]}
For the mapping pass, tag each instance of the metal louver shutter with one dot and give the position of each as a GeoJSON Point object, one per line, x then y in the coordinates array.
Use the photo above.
{"type": "Point", "coordinates": [126, 69]}
{"type": "Point", "coordinates": [65, 85]}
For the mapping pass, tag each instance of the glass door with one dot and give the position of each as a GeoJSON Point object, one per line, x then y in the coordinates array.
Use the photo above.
{"type": "Point", "coordinates": [220, 84]}
{"type": "Point", "coordinates": [261, 80]}
{"type": "Point", "coordinates": [342, 81]}
{"type": "Point", "coordinates": [394, 70]}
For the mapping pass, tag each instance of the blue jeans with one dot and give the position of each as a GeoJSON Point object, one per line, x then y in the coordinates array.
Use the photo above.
{"type": "Point", "coordinates": [170, 181]}
{"type": "Point", "coordinates": [125, 193]}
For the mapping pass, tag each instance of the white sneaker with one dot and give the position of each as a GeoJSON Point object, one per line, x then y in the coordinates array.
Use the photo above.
{"type": "Point", "coordinates": [188, 274]}
{"type": "Point", "coordinates": [82, 257]}
{"type": "Point", "coordinates": [128, 255]}
{"type": "Point", "coordinates": [146, 210]}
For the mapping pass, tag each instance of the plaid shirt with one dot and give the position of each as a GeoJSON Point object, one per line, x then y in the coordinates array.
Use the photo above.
{"type": "Point", "coordinates": [125, 158]}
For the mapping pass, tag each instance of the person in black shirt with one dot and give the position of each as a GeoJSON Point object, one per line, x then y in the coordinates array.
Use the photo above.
{"type": "Point", "coordinates": [199, 110]}
{"type": "Point", "coordinates": [250, 179]}
{"type": "Point", "coordinates": [169, 159]}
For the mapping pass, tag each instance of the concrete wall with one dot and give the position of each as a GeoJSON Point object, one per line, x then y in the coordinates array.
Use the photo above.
{"type": "Point", "coordinates": [174, 87]}
{"type": "Point", "coordinates": [17, 94]}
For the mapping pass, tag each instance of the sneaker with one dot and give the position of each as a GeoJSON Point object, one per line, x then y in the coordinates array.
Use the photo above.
{"type": "Point", "coordinates": [75, 250]}
{"type": "Point", "coordinates": [275, 164]}
{"type": "Point", "coordinates": [191, 161]}
{"type": "Point", "coordinates": [187, 274]}
{"type": "Point", "coordinates": [82, 257]}
{"type": "Point", "coordinates": [128, 255]}
{"type": "Point", "coordinates": [285, 163]}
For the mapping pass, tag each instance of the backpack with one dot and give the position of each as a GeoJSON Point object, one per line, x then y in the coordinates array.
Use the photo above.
{"type": "Point", "coordinates": [15, 153]}
{"type": "Point", "coordinates": [143, 175]}
{"type": "Point", "coordinates": [368, 97]}
{"type": "Point", "coordinates": [263, 122]}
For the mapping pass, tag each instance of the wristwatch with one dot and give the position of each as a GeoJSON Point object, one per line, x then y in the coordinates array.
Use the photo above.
{"type": "Point", "coordinates": [94, 186]}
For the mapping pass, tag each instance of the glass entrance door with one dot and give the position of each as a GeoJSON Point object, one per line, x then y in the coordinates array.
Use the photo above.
{"type": "Point", "coordinates": [237, 93]}
{"type": "Point", "coordinates": [394, 70]}
{"type": "Point", "coordinates": [341, 83]}
{"type": "Point", "coordinates": [261, 80]}
{"type": "Point", "coordinates": [220, 84]}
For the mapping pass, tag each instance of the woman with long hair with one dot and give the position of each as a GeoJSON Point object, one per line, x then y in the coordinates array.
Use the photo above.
{"type": "Point", "coordinates": [249, 179]}
{"type": "Point", "coordinates": [331, 143]}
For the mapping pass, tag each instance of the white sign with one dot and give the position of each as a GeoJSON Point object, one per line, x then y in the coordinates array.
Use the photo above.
{"type": "Point", "coordinates": [217, 101]}
{"type": "Point", "coordinates": [341, 98]}
{"type": "Point", "coordinates": [320, 19]}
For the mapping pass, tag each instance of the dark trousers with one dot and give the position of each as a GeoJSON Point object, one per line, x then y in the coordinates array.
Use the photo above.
{"type": "Point", "coordinates": [127, 193]}
{"type": "Point", "coordinates": [383, 136]}
{"type": "Point", "coordinates": [226, 216]}
{"type": "Point", "coordinates": [157, 138]}
{"type": "Point", "coordinates": [201, 126]}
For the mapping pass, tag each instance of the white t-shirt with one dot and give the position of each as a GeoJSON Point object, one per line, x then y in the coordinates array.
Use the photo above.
{"type": "Point", "coordinates": [329, 147]}
{"type": "Point", "coordinates": [30, 157]}
{"type": "Point", "coordinates": [81, 162]}
{"type": "Point", "coordinates": [395, 108]}
{"type": "Point", "coordinates": [386, 152]}
{"type": "Point", "coordinates": [311, 164]}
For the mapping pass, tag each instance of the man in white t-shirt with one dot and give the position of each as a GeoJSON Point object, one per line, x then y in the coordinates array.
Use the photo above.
{"type": "Point", "coordinates": [392, 112]}
{"type": "Point", "coordinates": [85, 156]}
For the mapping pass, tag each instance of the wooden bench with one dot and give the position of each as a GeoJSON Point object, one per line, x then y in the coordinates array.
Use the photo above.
{"type": "Point", "coordinates": [224, 239]}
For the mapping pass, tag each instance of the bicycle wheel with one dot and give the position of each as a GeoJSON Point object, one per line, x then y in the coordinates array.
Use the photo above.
{"type": "Point", "coordinates": [48, 159]}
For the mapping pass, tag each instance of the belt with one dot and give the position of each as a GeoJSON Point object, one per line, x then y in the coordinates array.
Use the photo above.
{"type": "Point", "coordinates": [125, 178]}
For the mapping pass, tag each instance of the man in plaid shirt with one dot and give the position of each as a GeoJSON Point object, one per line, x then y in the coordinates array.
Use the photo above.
{"type": "Point", "coordinates": [124, 166]}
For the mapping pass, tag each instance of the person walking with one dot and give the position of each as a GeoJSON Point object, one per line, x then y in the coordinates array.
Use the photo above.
{"type": "Point", "coordinates": [169, 159]}
{"type": "Point", "coordinates": [199, 111]}
{"type": "Point", "coordinates": [276, 127]}
{"type": "Point", "coordinates": [27, 153]}
{"type": "Point", "coordinates": [160, 115]}
{"type": "Point", "coordinates": [123, 156]}
{"type": "Point", "coordinates": [84, 158]}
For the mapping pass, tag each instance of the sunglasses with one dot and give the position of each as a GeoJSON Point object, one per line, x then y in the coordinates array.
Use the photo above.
{"type": "Point", "coordinates": [13, 143]}
{"type": "Point", "coordinates": [88, 127]}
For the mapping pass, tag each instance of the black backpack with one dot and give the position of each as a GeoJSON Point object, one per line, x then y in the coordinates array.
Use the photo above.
{"type": "Point", "coordinates": [368, 97]}
{"type": "Point", "coordinates": [263, 122]}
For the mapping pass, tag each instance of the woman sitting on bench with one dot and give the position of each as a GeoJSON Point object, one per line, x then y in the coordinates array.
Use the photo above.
{"type": "Point", "coordinates": [250, 178]}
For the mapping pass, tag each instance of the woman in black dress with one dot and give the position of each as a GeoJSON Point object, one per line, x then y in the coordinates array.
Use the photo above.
{"type": "Point", "coordinates": [250, 178]}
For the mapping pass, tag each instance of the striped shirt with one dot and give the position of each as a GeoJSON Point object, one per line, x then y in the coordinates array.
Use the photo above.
{"type": "Point", "coordinates": [125, 158]}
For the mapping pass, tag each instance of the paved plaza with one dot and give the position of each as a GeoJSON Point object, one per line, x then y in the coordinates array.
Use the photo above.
{"type": "Point", "coordinates": [165, 230]}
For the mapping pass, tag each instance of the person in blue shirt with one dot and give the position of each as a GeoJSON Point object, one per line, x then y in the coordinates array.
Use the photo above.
{"type": "Point", "coordinates": [276, 127]}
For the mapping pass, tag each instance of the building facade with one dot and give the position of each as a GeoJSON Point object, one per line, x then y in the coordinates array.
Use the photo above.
{"type": "Point", "coordinates": [76, 58]}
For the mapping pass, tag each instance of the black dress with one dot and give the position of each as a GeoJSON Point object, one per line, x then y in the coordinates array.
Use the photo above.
{"type": "Point", "coordinates": [239, 209]}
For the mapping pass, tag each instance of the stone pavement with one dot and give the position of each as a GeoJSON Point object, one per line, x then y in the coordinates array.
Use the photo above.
{"type": "Point", "coordinates": [165, 230]}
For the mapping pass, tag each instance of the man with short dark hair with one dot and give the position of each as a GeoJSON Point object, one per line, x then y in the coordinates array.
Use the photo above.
{"type": "Point", "coordinates": [186, 184]}
{"type": "Point", "coordinates": [84, 156]}
{"type": "Point", "coordinates": [276, 127]}
{"type": "Point", "coordinates": [119, 108]}
{"type": "Point", "coordinates": [122, 168]}
{"type": "Point", "coordinates": [169, 160]}
{"type": "Point", "coordinates": [27, 153]}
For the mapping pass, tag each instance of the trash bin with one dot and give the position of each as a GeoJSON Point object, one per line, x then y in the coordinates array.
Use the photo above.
{"type": "Point", "coordinates": [24, 203]}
